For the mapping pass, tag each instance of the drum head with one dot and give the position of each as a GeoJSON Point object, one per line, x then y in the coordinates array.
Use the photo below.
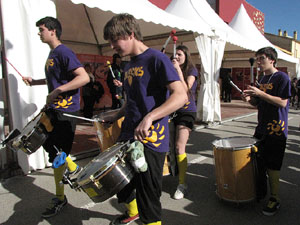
{"type": "Point", "coordinates": [101, 163]}
{"type": "Point", "coordinates": [235, 143]}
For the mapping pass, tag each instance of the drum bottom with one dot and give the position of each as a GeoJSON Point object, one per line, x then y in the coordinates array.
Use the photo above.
{"type": "Point", "coordinates": [235, 200]}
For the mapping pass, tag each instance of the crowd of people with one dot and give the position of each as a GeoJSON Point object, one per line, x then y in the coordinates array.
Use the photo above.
{"type": "Point", "coordinates": [149, 89]}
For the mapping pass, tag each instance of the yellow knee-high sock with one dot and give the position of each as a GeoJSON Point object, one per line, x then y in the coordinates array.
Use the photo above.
{"type": "Point", "coordinates": [182, 167]}
{"type": "Point", "coordinates": [132, 208]}
{"type": "Point", "coordinates": [71, 165]}
{"type": "Point", "coordinates": [58, 174]}
{"type": "Point", "coordinates": [274, 183]}
{"type": "Point", "coordinates": [155, 223]}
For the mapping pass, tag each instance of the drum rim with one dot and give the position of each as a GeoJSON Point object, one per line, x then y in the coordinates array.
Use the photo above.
{"type": "Point", "coordinates": [234, 148]}
{"type": "Point", "coordinates": [110, 163]}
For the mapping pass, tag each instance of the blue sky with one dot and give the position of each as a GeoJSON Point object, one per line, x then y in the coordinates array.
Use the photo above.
{"type": "Point", "coordinates": [279, 14]}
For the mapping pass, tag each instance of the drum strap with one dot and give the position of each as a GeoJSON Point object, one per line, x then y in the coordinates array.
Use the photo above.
{"type": "Point", "coordinates": [46, 122]}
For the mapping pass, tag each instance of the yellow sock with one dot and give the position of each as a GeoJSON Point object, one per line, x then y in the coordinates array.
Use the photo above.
{"type": "Point", "coordinates": [132, 208]}
{"type": "Point", "coordinates": [155, 223]}
{"type": "Point", "coordinates": [58, 174]}
{"type": "Point", "coordinates": [182, 167]}
{"type": "Point", "coordinates": [71, 165]}
{"type": "Point", "coordinates": [274, 183]}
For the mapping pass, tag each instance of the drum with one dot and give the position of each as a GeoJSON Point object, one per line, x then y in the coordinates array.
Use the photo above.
{"type": "Point", "coordinates": [106, 174]}
{"type": "Point", "coordinates": [107, 133]}
{"type": "Point", "coordinates": [234, 168]}
{"type": "Point", "coordinates": [31, 138]}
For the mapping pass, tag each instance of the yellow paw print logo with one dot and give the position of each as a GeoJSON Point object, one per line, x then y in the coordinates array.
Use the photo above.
{"type": "Point", "coordinates": [63, 103]}
{"type": "Point", "coordinates": [156, 135]}
{"type": "Point", "coordinates": [186, 105]}
{"type": "Point", "coordinates": [276, 127]}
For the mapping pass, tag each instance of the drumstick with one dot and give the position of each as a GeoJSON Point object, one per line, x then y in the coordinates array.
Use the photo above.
{"type": "Point", "coordinates": [167, 41]}
{"type": "Point", "coordinates": [174, 50]}
{"type": "Point", "coordinates": [26, 82]}
{"type": "Point", "coordinates": [79, 117]}
{"type": "Point", "coordinates": [112, 72]}
{"type": "Point", "coordinates": [236, 87]}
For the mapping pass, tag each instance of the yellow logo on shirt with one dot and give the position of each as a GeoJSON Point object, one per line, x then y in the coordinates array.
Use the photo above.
{"type": "Point", "coordinates": [63, 102]}
{"type": "Point", "coordinates": [156, 135]}
{"type": "Point", "coordinates": [49, 62]}
{"type": "Point", "coordinates": [133, 72]}
{"type": "Point", "coordinates": [265, 87]}
{"type": "Point", "coordinates": [186, 105]}
{"type": "Point", "coordinates": [276, 127]}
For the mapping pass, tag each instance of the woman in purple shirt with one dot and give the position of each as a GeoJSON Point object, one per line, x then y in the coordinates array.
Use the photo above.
{"type": "Point", "coordinates": [185, 116]}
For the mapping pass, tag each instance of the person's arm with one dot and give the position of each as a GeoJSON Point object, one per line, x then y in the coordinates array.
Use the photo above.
{"type": "Point", "coordinates": [178, 97]}
{"type": "Point", "coordinates": [32, 82]}
{"type": "Point", "coordinates": [274, 100]}
{"type": "Point", "coordinates": [81, 78]}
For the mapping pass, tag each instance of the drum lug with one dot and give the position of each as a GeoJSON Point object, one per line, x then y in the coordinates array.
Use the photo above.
{"type": "Point", "coordinates": [96, 182]}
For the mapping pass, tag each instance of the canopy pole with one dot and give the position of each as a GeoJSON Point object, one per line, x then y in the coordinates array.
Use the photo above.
{"type": "Point", "coordinates": [93, 30]}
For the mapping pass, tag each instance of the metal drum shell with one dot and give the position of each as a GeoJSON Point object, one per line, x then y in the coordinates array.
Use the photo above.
{"type": "Point", "coordinates": [108, 180]}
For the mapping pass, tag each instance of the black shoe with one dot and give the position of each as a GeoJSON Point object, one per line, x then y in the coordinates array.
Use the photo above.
{"type": "Point", "coordinates": [272, 207]}
{"type": "Point", "coordinates": [124, 219]}
{"type": "Point", "coordinates": [55, 206]}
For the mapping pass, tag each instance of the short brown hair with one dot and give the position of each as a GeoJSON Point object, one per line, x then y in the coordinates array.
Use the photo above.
{"type": "Point", "coordinates": [121, 26]}
{"type": "Point", "coordinates": [269, 52]}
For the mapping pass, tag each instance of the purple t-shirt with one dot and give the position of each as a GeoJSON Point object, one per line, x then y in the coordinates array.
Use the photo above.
{"type": "Point", "coordinates": [190, 106]}
{"type": "Point", "coordinates": [145, 81]}
{"type": "Point", "coordinates": [60, 64]}
{"type": "Point", "coordinates": [273, 120]}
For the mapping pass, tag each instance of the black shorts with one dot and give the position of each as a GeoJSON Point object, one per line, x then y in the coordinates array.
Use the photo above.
{"type": "Point", "coordinates": [186, 119]}
{"type": "Point", "coordinates": [62, 135]}
{"type": "Point", "coordinates": [272, 151]}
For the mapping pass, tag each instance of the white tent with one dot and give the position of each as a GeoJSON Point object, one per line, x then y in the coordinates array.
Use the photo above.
{"type": "Point", "coordinates": [242, 24]}
{"type": "Point", "coordinates": [28, 55]}
{"type": "Point", "coordinates": [211, 50]}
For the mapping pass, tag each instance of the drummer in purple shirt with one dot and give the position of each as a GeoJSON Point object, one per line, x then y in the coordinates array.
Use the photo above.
{"type": "Point", "coordinates": [153, 91]}
{"type": "Point", "coordinates": [64, 76]}
{"type": "Point", "coordinates": [271, 100]}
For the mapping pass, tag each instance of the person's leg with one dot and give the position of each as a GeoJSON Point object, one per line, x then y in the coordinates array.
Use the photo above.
{"type": "Point", "coordinates": [149, 187]}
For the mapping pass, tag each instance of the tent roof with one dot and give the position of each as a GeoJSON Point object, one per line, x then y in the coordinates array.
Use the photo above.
{"type": "Point", "coordinates": [200, 10]}
{"type": "Point", "coordinates": [242, 24]}
{"type": "Point", "coordinates": [152, 20]}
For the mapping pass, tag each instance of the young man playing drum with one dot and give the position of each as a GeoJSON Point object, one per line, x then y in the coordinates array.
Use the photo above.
{"type": "Point", "coordinates": [64, 76]}
{"type": "Point", "coordinates": [153, 91]}
{"type": "Point", "coordinates": [271, 100]}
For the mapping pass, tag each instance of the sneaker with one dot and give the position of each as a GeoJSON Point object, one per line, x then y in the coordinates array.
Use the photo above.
{"type": "Point", "coordinates": [272, 207]}
{"type": "Point", "coordinates": [55, 206]}
{"type": "Point", "coordinates": [124, 219]}
{"type": "Point", "coordinates": [180, 192]}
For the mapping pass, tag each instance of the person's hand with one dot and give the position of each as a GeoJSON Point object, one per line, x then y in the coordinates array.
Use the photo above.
{"type": "Point", "coordinates": [27, 80]}
{"type": "Point", "coordinates": [142, 130]}
{"type": "Point", "coordinates": [176, 64]}
{"type": "Point", "coordinates": [252, 91]}
{"type": "Point", "coordinates": [52, 96]}
{"type": "Point", "coordinates": [117, 83]}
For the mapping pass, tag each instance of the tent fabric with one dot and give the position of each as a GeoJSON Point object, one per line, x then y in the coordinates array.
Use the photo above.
{"type": "Point", "coordinates": [28, 55]}
{"type": "Point", "coordinates": [200, 10]}
{"type": "Point", "coordinates": [208, 101]}
{"type": "Point", "coordinates": [242, 24]}
{"type": "Point", "coordinates": [152, 19]}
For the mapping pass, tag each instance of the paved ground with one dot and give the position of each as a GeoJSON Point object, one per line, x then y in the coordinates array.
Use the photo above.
{"type": "Point", "coordinates": [23, 198]}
